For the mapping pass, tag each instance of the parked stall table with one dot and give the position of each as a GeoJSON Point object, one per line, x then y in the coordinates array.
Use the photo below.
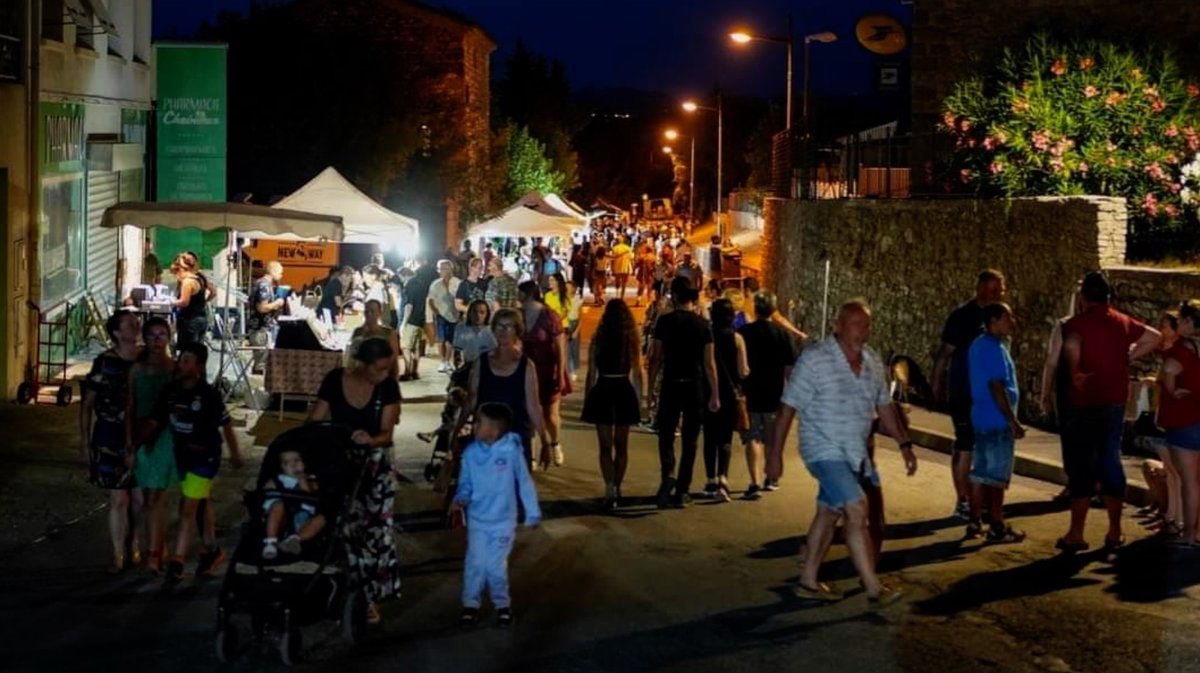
{"type": "Point", "coordinates": [298, 372]}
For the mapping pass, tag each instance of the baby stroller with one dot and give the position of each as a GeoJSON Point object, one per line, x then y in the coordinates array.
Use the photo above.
{"type": "Point", "coordinates": [291, 591]}
{"type": "Point", "coordinates": [440, 457]}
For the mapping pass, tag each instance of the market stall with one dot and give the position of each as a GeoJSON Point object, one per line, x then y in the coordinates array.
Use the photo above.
{"type": "Point", "coordinates": [248, 221]}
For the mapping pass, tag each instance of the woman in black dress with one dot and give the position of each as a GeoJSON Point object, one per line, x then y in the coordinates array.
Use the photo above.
{"type": "Point", "coordinates": [106, 446]}
{"type": "Point", "coordinates": [191, 306]}
{"type": "Point", "coordinates": [613, 394]}
{"type": "Point", "coordinates": [732, 367]}
{"type": "Point", "coordinates": [367, 400]}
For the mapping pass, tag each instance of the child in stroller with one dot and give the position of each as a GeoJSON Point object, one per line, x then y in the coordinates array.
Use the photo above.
{"type": "Point", "coordinates": [456, 397]}
{"type": "Point", "coordinates": [306, 522]}
{"type": "Point", "coordinates": [280, 595]}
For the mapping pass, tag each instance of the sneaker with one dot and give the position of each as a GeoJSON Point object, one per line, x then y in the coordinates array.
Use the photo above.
{"type": "Point", "coordinates": [174, 571]}
{"type": "Point", "coordinates": [710, 489]}
{"type": "Point", "coordinates": [974, 530]}
{"type": "Point", "coordinates": [771, 485]}
{"type": "Point", "coordinates": [1004, 535]}
{"type": "Point", "coordinates": [290, 545]}
{"type": "Point", "coordinates": [504, 617]}
{"type": "Point", "coordinates": [557, 452]}
{"type": "Point", "coordinates": [211, 560]}
{"type": "Point", "coordinates": [681, 501]}
{"type": "Point", "coordinates": [752, 492]}
{"type": "Point", "coordinates": [663, 499]}
{"type": "Point", "coordinates": [962, 510]}
{"type": "Point", "coordinates": [722, 494]}
{"type": "Point", "coordinates": [270, 550]}
{"type": "Point", "coordinates": [469, 617]}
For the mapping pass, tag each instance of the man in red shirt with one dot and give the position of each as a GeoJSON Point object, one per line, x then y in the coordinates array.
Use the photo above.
{"type": "Point", "coordinates": [1099, 345]}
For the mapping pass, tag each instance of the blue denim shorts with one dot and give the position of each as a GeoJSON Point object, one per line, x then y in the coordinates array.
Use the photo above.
{"type": "Point", "coordinates": [840, 483]}
{"type": "Point", "coordinates": [1185, 438]}
{"type": "Point", "coordinates": [992, 464]}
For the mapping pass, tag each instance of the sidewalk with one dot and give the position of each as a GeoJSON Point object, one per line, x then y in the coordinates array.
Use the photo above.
{"type": "Point", "coordinates": [1039, 455]}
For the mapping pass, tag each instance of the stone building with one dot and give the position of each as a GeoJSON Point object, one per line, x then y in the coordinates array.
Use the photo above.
{"type": "Point", "coordinates": [76, 83]}
{"type": "Point", "coordinates": [950, 35]}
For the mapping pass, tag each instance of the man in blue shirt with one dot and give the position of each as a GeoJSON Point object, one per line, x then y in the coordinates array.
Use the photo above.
{"type": "Point", "coordinates": [994, 398]}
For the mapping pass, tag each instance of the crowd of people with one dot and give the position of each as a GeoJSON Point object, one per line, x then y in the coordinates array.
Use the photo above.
{"type": "Point", "coordinates": [710, 359]}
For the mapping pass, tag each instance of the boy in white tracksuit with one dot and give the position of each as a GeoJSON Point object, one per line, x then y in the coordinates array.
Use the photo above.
{"type": "Point", "coordinates": [493, 471]}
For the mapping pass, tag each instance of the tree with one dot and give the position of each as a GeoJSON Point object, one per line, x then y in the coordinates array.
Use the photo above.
{"type": "Point", "coordinates": [1063, 117]}
{"type": "Point", "coordinates": [759, 150]}
{"type": "Point", "coordinates": [528, 166]}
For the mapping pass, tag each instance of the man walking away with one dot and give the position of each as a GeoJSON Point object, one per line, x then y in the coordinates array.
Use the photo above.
{"type": "Point", "coordinates": [837, 387]}
{"type": "Point", "coordinates": [771, 355]}
{"type": "Point", "coordinates": [994, 420]}
{"type": "Point", "coordinates": [963, 326]}
{"type": "Point", "coordinates": [683, 351]}
{"type": "Point", "coordinates": [1100, 343]}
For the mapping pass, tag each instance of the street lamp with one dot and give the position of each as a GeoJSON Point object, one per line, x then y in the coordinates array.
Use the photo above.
{"type": "Point", "coordinates": [672, 134]}
{"type": "Point", "coordinates": [667, 149]}
{"type": "Point", "coordinates": [825, 38]}
{"type": "Point", "coordinates": [692, 106]}
{"type": "Point", "coordinates": [743, 37]}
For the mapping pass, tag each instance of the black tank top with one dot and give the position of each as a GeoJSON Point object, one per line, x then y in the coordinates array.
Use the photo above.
{"type": "Point", "coordinates": [508, 390]}
{"type": "Point", "coordinates": [196, 307]}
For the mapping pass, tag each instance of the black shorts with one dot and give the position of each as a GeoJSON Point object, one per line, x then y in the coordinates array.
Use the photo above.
{"type": "Point", "coordinates": [964, 432]}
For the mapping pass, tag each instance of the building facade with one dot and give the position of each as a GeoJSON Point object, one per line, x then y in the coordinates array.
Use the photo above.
{"type": "Point", "coordinates": [75, 97]}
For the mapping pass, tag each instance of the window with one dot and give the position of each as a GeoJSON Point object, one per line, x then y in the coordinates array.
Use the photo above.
{"type": "Point", "coordinates": [12, 35]}
{"type": "Point", "coordinates": [61, 236]}
{"type": "Point", "coordinates": [54, 17]}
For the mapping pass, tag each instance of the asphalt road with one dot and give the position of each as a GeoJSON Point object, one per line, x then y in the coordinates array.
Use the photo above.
{"type": "Point", "coordinates": [702, 589]}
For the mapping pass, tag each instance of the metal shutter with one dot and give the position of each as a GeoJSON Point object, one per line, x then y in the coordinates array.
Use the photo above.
{"type": "Point", "coordinates": [103, 245]}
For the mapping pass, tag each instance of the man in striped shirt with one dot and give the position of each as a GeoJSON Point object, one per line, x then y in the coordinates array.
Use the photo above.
{"type": "Point", "coordinates": [838, 386]}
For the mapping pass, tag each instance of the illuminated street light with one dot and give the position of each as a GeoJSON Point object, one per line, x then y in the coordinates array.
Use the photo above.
{"type": "Point", "coordinates": [743, 37]}
{"type": "Point", "coordinates": [667, 149]}
{"type": "Point", "coordinates": [690, 106]}
{"type": "Point", "coordinates": [671, 134]}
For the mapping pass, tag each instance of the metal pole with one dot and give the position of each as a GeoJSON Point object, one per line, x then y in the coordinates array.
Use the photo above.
{"type": "Point", "coordinates": [805, 109]}
{"type": "Point", "coordinates": [789, 72]}
{"type": "Point", "coordinates": [692, 181]}
{"type": "Point", "coordinates": [825, 302]}
{"type": "Point", "coordinates": [720, 160]}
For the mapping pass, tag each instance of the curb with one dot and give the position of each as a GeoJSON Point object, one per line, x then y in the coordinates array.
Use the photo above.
{"type": "Point", "coordinates": [1026, 466]}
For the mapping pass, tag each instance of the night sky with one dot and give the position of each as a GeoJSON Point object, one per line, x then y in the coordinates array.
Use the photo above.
{"type": "Point", "coordinates": [674, 46]}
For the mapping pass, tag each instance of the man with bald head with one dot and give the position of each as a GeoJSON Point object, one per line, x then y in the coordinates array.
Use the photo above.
{"type": "Point", "coordinates": [838, 387]}
{"type": "Point", "coordinates": [262, 319]}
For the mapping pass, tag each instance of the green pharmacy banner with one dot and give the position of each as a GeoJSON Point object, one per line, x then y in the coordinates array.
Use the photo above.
{"type": "Point", "coordinates": [192, 116]}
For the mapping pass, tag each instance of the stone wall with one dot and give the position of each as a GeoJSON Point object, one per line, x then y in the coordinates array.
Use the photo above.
{"type": "Point", "coordinates": [948, 35]}
{"type": "Point", "coordinates": [914, 261]}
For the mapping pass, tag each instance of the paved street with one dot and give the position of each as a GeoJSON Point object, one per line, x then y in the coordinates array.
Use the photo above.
{"type": "Point", "coordinates": [642, 590]}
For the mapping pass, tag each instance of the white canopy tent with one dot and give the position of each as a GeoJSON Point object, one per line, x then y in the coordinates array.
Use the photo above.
{"type": "Point", "coordinates": [249, 220]}
{"type": "Point", "coordinates": [365, 221]}
{"type": "Point", "coordinates": [528, 222]}
{"type": "Point", "coordinates": [564, 206]}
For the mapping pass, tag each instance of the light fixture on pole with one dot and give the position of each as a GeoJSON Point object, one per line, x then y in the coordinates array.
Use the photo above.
{"type": "Point", "coordinates": [667, 149]}
{"type": "Point", "coordinates": [672, 134]}
{"type": "Point", "coordinates": [825, 38]}
{"type": "Point", "coordinates": [692, 106]}
{"type": "Point", "coordinates": [744, 37]}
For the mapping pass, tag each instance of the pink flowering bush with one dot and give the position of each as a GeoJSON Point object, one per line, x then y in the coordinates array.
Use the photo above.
{"type": "Point", "coordinates": [1078, 117]}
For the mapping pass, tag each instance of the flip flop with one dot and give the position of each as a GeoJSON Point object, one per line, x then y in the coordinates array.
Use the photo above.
{"type": "Point", "coordinates": [1070, 547]}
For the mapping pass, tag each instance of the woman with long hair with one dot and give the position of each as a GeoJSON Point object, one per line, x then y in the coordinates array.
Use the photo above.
{"type": "Point", "coordinates": [191, 302]}
{"type": "Point", "coordinates": [556, 298]}
{"type": "Point", "coordinates": [366, 399]}
{"type": "Point", "coordinates": [1179, 415]}
{"type": "Point", "coordinates": [154, 467]}
{"type": "Point", "coordinates": [729, 350]}
{"type": "Point", "coordinates": [545, 344]}
{"type": "Point", "coordinates": [613, 393]}
{"type": "Point", "coordinates": [474, 336]}
{"type": "Point", "coordinates": [107, 448]}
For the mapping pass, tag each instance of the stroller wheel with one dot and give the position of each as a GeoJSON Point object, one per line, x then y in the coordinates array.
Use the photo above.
{"type": "Point", "coordinates": [290, 645]}
{"type": "Point", "coordinates": [354, 617]}
{"type": "Point", "coordinates": [227, 644]}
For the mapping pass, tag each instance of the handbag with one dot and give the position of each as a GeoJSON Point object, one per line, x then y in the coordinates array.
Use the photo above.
{"type": "Point", "coordinates": [741, 419]}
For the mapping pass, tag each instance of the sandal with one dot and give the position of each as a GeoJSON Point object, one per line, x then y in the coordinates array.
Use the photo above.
{"type": "Point", "coordinates": [822, 593]}
{"type": "Point", "coordinates": [884, 598]}
{"type": "Point", "coordinates": [1114, 543]}
{"type": "Point", "coordinates": [373, 616]}
{"type": "Point", "coordinates": [1070, 547]}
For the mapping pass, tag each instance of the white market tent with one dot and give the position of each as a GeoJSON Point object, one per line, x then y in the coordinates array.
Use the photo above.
{"type": "Point", "coordinates": [564, 206]}
{"type": "Point", "coordinates": [250, 220]}
{"type": "Point", "coordinates": [528, 221]}
{"type": "Point", "coordinates": [365, 221]}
